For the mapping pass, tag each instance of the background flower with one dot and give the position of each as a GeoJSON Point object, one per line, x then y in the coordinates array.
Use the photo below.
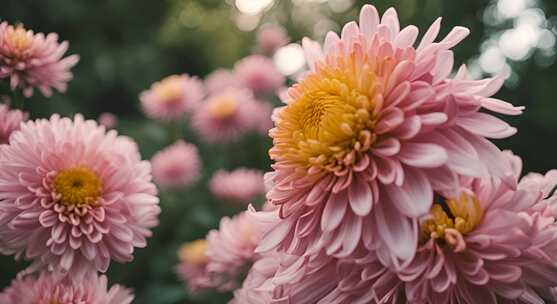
{"type": "Point", "coordinates": [241, 185]}
{"type": "Point", "coordinates": [176, 165]}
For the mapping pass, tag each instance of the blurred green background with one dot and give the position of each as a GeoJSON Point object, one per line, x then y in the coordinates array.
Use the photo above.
{"type": "Point", "coordinates": [125, 45]}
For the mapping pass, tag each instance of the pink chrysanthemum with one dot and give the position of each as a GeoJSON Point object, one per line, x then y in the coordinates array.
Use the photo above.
{"type": "Point", "coordinates": [241, 185]}
{"type": "Point", "coordinates": [259, 74]}
{"type": "Point", "coordinates": [10, 121]}
{"type": "Point", "coordinates": [226, 116]}
{"type": "Point", "coordinates": [220, 80]}
{"type": "Point", "coordinates": [254, 289]}
{"type": "Point", "coordinates": [108, 120]}
{"type": "Point", "coordinates": [73, 196]}
{"type": "Point", "coordinates": [371, 131]}
{"type": "Point", "coordinates": [172, 97]}
{"type": "Point", "coordinates": [178, 165]}
{"type": "Point", "coordinates": [270, 38]}
{"type": "Point", "coordinates": [192, 267]}
{"type": "Point", "coordinates": [231, 249]}
{"type": "Point", "coordinates": [48, 288]}
{"type": "Point", "coordinates": [34, 60]}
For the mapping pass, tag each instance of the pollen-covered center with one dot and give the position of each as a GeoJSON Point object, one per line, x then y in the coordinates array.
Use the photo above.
{"type": "Point", "coordinates": [330, 121]}
{"type": "Point", "coordinates": [17, 39]}
{"type": "Point", "coordinates": [169, 90]}
{"type": "Point", "coordinates": [223, 107]}
{"type": "Point", "coordinates": [452, 218]}
{"type": "Point", "coordinates": [77, 186]}
{"type": "Point", "coordinates": [194, 253]}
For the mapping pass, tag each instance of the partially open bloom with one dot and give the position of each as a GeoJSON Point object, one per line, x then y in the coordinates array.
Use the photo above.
{"type": "Point", "coordinates": [241, 185]}
{"type": "Point", "coordinates": [108, 120]}
{"type": "Point", "coordinates": [231, 249]}
{"type": "Point", "coordinates": [178, 165]}
{"type": "Point", "coordinates": [34, 61]}
{"type": "Point", "coordinates": [48, 288]}
{"type": "Point", "coordinates": [73, 197]}
{"type": "Point", "coordinates": [270, 38]}
{"type": "Point", "coordinates": [172, 97]}
{"type": "Point", "coordinates": [371, 131]}
{"type": "Point", "coordinates": [226, 116]}
{"type": "Point", "coordinates": [192, 267]}
{"type": "Point", "coordinates": [10, 121]}
{"type": "Point", "coordinates": [220, 80]}
{"type": "Point", "coordinates": [259, 74]}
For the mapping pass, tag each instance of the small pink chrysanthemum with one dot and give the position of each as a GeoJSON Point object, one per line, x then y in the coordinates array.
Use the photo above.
{"type": "Point", "coordinates": [220, 80]}
{"type": "Point", "coordinates": [178, 165]}
{"type": "Point", "coordinates": [192, 267]}
{"type": "Point", "coordinates": [241, 185]}
{"type": "Point", "coordinates": [270, 38]}
{"type": "Point", "coordinates": [226, 116]}
{"type": "Point", "coordinates": [10, 121]}
{"type": "Point", "coordinates": [73, 196]}
{"type": "Point", "coordinates": [49, 288]}
{"type": "Point", "coordinates": [172, 97]}
{"type": "Point", "coordinates": [259, 74]}
{"type": "Point", "coordinates": [230, 249]}
{"type": "Point", "coordinates": [371, 131]}
{"type": "Point", "coordinates": [108, 120]}
{"type": "Point", "coordinates": [34, 60]}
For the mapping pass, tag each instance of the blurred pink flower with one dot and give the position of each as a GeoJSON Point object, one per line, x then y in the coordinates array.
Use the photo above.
{"type": "Point", "coordinates": [48, 288]}
{"type": "Point", "coordinates": [10, 121]}
{"type": "Point", "coordinates": [241, 185]}
{"type": "Point", "coordinates": [271, 37]}
{"type": "Point", "coordinates": [259, 74]}
{"type": "Point", "coordinates": [369, 134]}
{"type": "Point", "coordinates": [73, 196]}
{"type": "Point", "coordinates": [263, 116]}
{"type": "Point", "coordinates": [254, 289]}
{"type": "Point", "coordinates": [226, 116]}
{"type": "Point", "coordinates": [178, 165]}
{"type": "Point", "coordinates": [109, 120]}
{"type": "Point", "coordinates": [220, 80]}
{"type": "Point", "coordinates": [192, 267]}
{"type": "Point", "coordinates": [172, 97]}
{"type": "Point", "coordinates": [231, 249]}
{"type": "Point", "coordinates": [34, 60]}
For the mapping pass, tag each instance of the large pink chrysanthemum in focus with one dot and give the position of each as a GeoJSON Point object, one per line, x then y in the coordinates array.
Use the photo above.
{"type": "Point", "coordinates": [34, 60]}
{"type": "Point", "coordinates": [73, 196]}
{"type": "Point", "coordinates": [178, 165]}
{"type": "Point", "coordinates": [48, 288]}
{"type": "Point", "coordinates": [220, 80]}
{"type": "Point", "coordinates": [371, 131]}
{"type": "Point", "coordinates": [192, 267]}
{"type": "Point", "coordinates": [226, 116]}
{"type": "Point", "coordinates": [241, 185]}
{"type": "Point", "coordinates": [172, 97]}
{"type": "Point", "coordinates": [10, 121]}
{"type": "Point", "coordinates": [231, 248]}
{"type": "Point", "coordinates": [272, 37]}
{"type": "Point", "coordinates": [259, 74]}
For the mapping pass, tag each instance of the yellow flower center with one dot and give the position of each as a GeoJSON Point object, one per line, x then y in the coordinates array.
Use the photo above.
{"type": "Point", "coordinates": [169, 89]}
{"type": "Point", "coordinates": [330, 121]}
{"type": "Point", "coordinates": [77, 186]}
{"type": "Point", "coordinates": [17, 38]}
{"type": "Point", "coordinates": [194, 253]}
{"type": "Point", "coordinates": [462, 215]}
{"type": "Point", "coordinates": [223, 107]}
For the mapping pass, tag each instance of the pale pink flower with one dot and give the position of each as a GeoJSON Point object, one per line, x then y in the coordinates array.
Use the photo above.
{"type": "Point", "coordinates": [192, 267]}
{"type": "Point", "coordinates": [231, 249]}
{"type": "Point", "coordinates": [241, 185]}
{"type": "Point", "coordinates": [178, 165]}
{"type": "Point", "coordinates": [220, 80]}
{"type": "Point", "coordinates": [226, 116]}
{"type": "Point", "coordinates": [259, 74]}
{"type": "Point", "coordinates": [10, 121]}
{"type": "Point", "coordinates": [108, 120]}
{"type": "Point", "coordinates": [34, 61]}
{"type": "Point", "coordinates": [272, 37]}
{"type": "Point", "coordinates": [49, 288]}
{"type": "Point", "coordinates": [371, 131]}
{"type": "Point", "coordinates": [256, 288]}
{"type": "Point", "coordinates": [73, 196]}
{"type": "Point", "coordinates": [172, 97]}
